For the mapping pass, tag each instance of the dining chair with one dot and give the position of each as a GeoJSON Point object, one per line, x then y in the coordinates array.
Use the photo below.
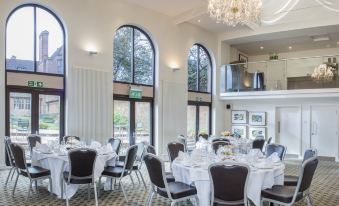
{"type": "Point", "coordinates": [229, 183]}
{"type": "Point", "coordinates": [220, 139]}
{"type": "Point", "coordinates": [118, 173]}
{"type": "Point", "coordinates": [174, 191]}
{"type": "Point", "coordinates": [10, 157]}
{"type": "Point", "coordinates": [258, 144]}
{"type": "Point", "coordinates": [33, 173]}
{"type": "Point", "coordinates": [291, 180]}
{"type": "Point", "coordinates": [288, 195]}
{"type": "Point", "coordinates": [81, 171]}
{"type": "Point", "coordinates": [32, 140]}
{"type": "Point", "coordinates": [115, 143]}
{"type": "Point", "coordinates": [279, 149]}
{"type": "Point", "coordinates": [68, 139]}
{"type": "Point", "coordinates": [269, 141]}
{"type": "Point", "coordinates": [204, 136]}
{"type": "Point", "coordinates": [138, 163]}
{"type": "Point", "coordinates": [169, 175]}
{"type": "Point", "coordinates": [173, 149]}
{"type": "Point", "coordinates": [217, 144]}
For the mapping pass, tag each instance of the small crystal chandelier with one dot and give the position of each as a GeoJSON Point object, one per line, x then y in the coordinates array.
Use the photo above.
{"type": "Point", "coordinates": [234, 12]}
{"type": "Point", "coordinates": [323, 73]}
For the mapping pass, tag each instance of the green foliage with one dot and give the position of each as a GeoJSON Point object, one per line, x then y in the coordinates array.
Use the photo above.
{"type": "Point", "coordinates": [120, 119]}
{"type": "Point", "coordinates": [124, 59]}
{"type": "Point", "coordinates": [43, 126]}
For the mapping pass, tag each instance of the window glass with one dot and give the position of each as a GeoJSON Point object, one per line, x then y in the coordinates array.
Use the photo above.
{"type": "Point", "coordinates": [31, 25]}
{"type": "Point", "coordinates": [49, 43]}
{"type": "Point", "coordinates": [133, 57]}
{"type": "Point", "coordinates": [199, 69]}
{"type": "Point", "coordinates": [123, 50]}
{"type": "Point", "coordinates": [20, 40]}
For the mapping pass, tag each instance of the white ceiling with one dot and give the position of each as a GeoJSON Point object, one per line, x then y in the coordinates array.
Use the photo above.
{"type": "Point", "coordinates": [170, 8]}
{"type": "Point", "coordinates": [280, 42]}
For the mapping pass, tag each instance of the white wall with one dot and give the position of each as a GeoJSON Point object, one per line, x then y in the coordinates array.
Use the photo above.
{"type": "Point", "coordinates": [94, 22]}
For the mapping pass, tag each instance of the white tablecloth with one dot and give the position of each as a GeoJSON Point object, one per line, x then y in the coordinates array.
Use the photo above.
{"type": "Point", "coordinates": [57, 164]}
{"type": "Point", "coordinates": [258, 179]}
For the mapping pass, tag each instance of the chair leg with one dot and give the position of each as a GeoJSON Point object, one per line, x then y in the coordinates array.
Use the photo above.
{"type": "Point", "coordinates": [123, 190]}
{"type": "Point", "coordinates": [51, 186]}
{"type": "Point", "coordinates": [130, 176]}
{"type": "Point", "coordinates": [309, 200]}
{"type": "Point", "coordinates": [142, 179]}
{"type": "Point", "coordinates": [29, 189]}
{"type": "Point", "coordinates": [67, 201]}
{"type": "Point", "coordinates": [99, 186]}
{"type": "Point", "coordinates": [88, 191]}
{"type": "Point", "coordinates": [95, 194]}
{"type": "Point", "coordinates": [196, 200]}
{"type": "Point", "coordinates": [173, 203]}
{"type": "Point", "coordinates": [136, 174]}
{"type": "Point", "coordinates": [9, 175]}
{"type": "Point", "coordinates": [14, 173]}
{"type": "Point", "coordinates": [36, 185]}
{"type": "Point", "coordinates": [16, 182]}
{"type": "Point", "coordinates": [151, 198]}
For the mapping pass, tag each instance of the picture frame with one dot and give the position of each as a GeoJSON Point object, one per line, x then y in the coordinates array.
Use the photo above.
{"type": "Point", "coordinates": [239, 117]}
{"type": "Point", "coordinates": [257, 118]}
{"type": "Point", "coordinates": [240, 130]}
{"type": "Point", "coordinates": [243, 58]}
{"type": "Point", "coordinates": [254, 132]}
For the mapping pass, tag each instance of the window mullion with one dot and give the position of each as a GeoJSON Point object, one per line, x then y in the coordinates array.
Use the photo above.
{"type": "Point", "coordinates": [133, 64]}
{"type": "Point", "coordinates": [198, 71]}
{"type": "Point", "coordinates": [34, 40]}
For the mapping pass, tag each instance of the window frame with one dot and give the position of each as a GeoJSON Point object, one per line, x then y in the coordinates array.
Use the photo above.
{"type": "Point", "coordinates": [35, 6]}
{"type": "Point", "coordinates": [197, 115]}
{"type": "Point", "coordinates": [133, 62]}
{"type": "Point", "coordinates": [210, 80]}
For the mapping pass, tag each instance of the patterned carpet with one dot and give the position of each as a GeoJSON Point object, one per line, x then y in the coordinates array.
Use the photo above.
{"type": "Point", "coordinates": [325, 191]}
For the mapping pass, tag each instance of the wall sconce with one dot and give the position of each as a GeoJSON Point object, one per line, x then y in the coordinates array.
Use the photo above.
{"type": "Point", "coordinates": [174, 69]}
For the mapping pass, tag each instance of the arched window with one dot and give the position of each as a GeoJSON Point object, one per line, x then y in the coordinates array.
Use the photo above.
{"type": "Point", "coordinates": [199, 106]}
{"type": "Point", "coordinates": [199, 69]}
{"type": "Point", "coordinates": [133, 93]}
{"type": "Point", "coordinates": [133, 60]}
{"type": "Point", "coordinates": [35, 41]}
{"type": "Point", "coordinates": [35, 68]}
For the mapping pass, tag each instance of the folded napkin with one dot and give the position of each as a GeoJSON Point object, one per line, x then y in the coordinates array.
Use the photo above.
{"type": "Point", "coordinates": [274, 157]}
{"type": "Point", "coordinates": [42, 148]}
{"type": "Point", "coordinates": [95, 145]}
{"type": "Point", "coordinates": [106, 149]}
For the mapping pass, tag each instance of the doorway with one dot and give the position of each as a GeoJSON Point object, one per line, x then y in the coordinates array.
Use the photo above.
{"type": "Point", "coordinates": [34, 111]}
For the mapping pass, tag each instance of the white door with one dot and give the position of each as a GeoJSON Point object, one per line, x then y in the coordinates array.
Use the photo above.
{"type": "Point", "coordinates": [288, 121]}
{"type": "Point", "coordinates": [324, 128]}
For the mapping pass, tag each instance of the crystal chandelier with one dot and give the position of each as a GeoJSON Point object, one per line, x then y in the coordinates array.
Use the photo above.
{"type": "Point", "coordinates": [234, 12]}
{"type": "Point", "coordinates": [323, 73]}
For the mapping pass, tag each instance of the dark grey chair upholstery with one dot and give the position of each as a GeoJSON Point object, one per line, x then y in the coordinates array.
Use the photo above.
{"type": "Point", "coordinates": [81, 170]}
{"type": "Point", "coordinates": [118, 173]}
{"type": "Point", "coordinates": [169, 176]}
{"type": "Point", "coordinates": [288, 195]}
{"type": "Point", "coordinates": [32, 140]}
{"type": "Point", "coordinates": [115, 143]}
{"type": "Point", "coordinates": [10, 157]}
{"type": "Point", "coordinates": [258, 144]}
{"type": "Point", "coordinates": [291, 180]}
{"type": "Point", "coordinates": [173, 149]}
{"type": "Point", "coordinates": [279, 149]}
{"type": "Point", "coordinates": [174, 191]}
{"type": "Point", "coordinates": [229, 183]}
{"type": "Point", "coordinates": [204, 136]}
{"type": "Point", "coordinates": [220, 139]}
{"type": "Point", "coordinates": [217, 144]}
{"type": "Point", "coordinates": [33, 173]}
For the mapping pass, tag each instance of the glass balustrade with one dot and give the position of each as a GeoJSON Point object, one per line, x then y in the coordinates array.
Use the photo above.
{"type": "Point", "coordinates": [285, 74]}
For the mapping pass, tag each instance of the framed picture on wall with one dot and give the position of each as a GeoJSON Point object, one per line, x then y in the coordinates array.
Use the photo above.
{"type": "Point", "coordinates": [243, 58]}
{"type": "Point", "coordinates": [239, 130]}
{"type": "Point", "coordinates": [256, 132]}
{"type": "Point", "coordinates": [239, 117]}
{"type": "Point", "coordinates": [257, 118]}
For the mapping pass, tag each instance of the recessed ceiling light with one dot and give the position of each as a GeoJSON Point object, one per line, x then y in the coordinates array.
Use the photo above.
{"type": "Point", "coordinates": [199, 20]}
{"type": "Point", "coordinates": [320, 38]}
{"type": "Point", "coordinates": [290, 47]}
{"type": "Point", "coordinates": [337, 42]}
{"type": "Point", "coordinates": [261, 47]}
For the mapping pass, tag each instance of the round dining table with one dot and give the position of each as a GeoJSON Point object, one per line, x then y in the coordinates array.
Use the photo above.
{"type": "Point", "coordinates": [259, 179]}
{"type": "Point", "coordinates": [58, 163]}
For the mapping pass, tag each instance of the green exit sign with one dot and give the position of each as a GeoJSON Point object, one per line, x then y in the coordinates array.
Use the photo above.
{"type": "Point", "coordinates": [32, 83]}
{"type": "Point", "coordinates": [135, 93]}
